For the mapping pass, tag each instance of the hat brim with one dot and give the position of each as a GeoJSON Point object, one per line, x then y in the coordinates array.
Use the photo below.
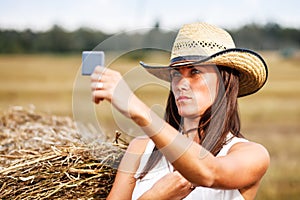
{"type": "Point", "coordinates": [252, 68]}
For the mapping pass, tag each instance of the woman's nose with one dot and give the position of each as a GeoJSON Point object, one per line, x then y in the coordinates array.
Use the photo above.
{"type": "Point", "coordinates": [183, 84]}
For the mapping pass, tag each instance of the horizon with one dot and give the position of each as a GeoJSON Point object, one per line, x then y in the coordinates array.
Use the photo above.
{"type": "Point", "coordinates": [135, 30]}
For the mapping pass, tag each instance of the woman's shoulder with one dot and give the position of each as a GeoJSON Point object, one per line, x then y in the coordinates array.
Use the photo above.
{"type": "Point", "coordinates": [243, 144]}
{"type": "Point", "coordinates": [133, 154]}
{"type": "Point", "coordinates": [247, 145]}
{"type": "Point", "coordinates": [251, 149]}
{"type": "Point", "coordinates": [138, 145]}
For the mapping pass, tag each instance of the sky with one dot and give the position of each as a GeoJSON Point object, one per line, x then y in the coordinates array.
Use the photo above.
{"type": "Point", "coordinates": [112, 16]}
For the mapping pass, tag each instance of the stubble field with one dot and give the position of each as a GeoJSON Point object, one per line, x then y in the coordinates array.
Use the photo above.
{"type": "Point", "coordinates": [270, 117]}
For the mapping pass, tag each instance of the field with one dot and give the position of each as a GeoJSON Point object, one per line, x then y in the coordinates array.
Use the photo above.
{"type": "Point", "coordinates": [51, 83]}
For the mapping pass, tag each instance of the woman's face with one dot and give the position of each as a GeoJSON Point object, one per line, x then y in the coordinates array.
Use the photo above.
{"type": "Point", "coordinates": [194, 88]}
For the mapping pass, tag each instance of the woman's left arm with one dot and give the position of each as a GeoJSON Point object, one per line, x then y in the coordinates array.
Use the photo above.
{"type": "Point", "coordinates": [243, 166]}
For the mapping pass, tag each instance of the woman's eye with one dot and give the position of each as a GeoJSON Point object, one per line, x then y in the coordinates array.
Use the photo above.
{"type": "Point", "coordinates": [195, 71]}
{"type": "Point", "coordinates": [175, 74]}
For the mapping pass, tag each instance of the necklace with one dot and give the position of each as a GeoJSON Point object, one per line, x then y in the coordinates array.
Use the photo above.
{"type": "Point", "coordinates": [191, 133]}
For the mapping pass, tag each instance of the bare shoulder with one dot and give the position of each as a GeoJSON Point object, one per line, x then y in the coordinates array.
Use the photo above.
{"type": "Point", "coordinates": [138, 145]}
{"type": "Point", "coordinates": [249, 147]}
{"type": "Point", "coordinates": [131, 158]}
{"type": "Point", "coordinates": [253, 152]}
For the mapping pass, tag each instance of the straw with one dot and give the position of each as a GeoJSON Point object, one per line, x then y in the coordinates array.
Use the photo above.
{"type": "Point", "coordinates": [42, 157]}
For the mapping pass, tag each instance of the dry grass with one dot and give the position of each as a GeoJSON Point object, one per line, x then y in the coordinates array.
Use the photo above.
{"type": "Point", "coordinates": [42, 157]}
{"type": "Point", "coordinates": [270, 117]}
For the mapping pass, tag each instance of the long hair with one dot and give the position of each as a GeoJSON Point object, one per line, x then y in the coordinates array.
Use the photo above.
{"type": "Point", "coordinates": [216, 122]}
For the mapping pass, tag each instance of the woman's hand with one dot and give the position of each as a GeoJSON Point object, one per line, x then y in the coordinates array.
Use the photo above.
{"type": "Point", "coordinates": [172, 186]}
{"type": "Point", "coordinates": [107, 84]}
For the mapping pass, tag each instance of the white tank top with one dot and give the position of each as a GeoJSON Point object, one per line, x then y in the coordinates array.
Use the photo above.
{"type": "Point", "coordinates": [164, 167]}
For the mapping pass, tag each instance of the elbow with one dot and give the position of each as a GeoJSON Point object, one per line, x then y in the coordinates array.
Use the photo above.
{"type": "Point", "coordinates": [207, 178]}
{"type": "Point", "coordinates": [204, 175]}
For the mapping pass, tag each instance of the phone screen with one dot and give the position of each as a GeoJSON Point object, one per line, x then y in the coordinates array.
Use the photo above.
{"type": "Point", "coordinates": [91, 59]}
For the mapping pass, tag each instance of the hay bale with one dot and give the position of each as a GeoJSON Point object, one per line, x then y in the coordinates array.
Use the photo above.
{"type": "Point", "coordinates": [42, 156]}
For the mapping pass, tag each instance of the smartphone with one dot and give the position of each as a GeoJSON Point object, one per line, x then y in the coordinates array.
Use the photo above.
{"type": "Point", "coordinates": [91, 59]}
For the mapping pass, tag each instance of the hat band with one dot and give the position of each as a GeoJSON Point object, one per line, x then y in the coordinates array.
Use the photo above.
{"type": "Point", "coordinates": [189, 57]}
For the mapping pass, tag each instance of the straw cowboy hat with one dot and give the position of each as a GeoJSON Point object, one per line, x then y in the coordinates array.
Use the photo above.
{"type": "Point", "coordinates": [201, 44]}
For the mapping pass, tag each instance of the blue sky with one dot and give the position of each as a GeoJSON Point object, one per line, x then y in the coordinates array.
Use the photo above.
{"type": "Point", "coordinates": [120, 15]}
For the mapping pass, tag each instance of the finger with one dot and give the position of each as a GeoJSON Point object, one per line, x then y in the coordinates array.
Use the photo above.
{"type": "Point", "coordinates": [192, 187]}
{"type": "Point", "coordinates": [100, 85]}
{"type": "Point", "coordinates": [101, 77]}
{"type": "Point", "coordinates": [97, 101]}
{"type": "Point", "coordinates": [97, 77]}
{"type": "Point", "coordinates": [99, 69]}
{"type": "Point", "coordinates": [103, 70]}
{"type": "Point", "coordinates": [99, 95]}
{"type": "Point", "coordinates": [97, 86]}
{"type": "Point", "coordinates": [177, 173]}
{"type": "Point", "coordinates": [97, 73]}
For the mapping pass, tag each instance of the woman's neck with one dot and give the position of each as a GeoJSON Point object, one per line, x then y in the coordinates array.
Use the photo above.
{"type": "Point", "coordinates": [190, 128]}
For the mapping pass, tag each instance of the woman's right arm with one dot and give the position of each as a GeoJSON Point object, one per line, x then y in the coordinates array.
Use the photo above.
{"type": "Point", "coordinates": [124, 181]}
{"type": "Point", "coordinates": [172, 186]}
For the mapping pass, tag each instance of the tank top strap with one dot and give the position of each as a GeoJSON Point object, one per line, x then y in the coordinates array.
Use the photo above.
{"type": "Point", "coordinates": [232, 140]}
{"type": "Point", "coordinates": [145, 157]}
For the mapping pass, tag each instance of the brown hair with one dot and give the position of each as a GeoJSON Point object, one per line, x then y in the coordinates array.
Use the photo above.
{"type": "Point", "coordinates": [217, 121]}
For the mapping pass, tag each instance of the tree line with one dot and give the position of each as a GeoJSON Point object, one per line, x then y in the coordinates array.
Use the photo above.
{"type": "Point", "coordinates": [270, 36]}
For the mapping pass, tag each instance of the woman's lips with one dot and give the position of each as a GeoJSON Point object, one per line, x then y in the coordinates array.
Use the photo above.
{"type": "Point", "coordinates": [183, 98]}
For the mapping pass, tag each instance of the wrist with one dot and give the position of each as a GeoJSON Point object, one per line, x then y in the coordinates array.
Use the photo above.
{"type": "Point", "coordinates": [144, 117]}
{"type": "Point", "coordinates": [139, 112]}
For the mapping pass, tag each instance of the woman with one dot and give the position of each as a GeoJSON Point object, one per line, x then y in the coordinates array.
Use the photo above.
{"type": "Point", "coordinates": [197, 152]}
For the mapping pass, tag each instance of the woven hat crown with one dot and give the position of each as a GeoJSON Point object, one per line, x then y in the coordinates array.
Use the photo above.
{"type": "Point", "coordinates": [200, 39]}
